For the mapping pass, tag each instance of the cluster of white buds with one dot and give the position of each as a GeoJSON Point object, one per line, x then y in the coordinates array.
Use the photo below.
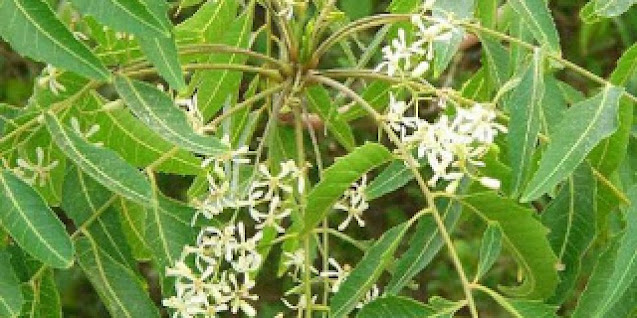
{"type": "Point", "coordinates": [450, 144]}
{"type": "Point", "coordinates": [273, 190]}
{"type": "Point", "coordinates": [222, 182]}
{"type": "Point", "coordinates": [37, 173]}
{"type": "Point", "coordinates": [49, 79]}
{"type": "Point", "coordinates": [414, 59]}
{"type": "Point", "coordinates": [215, 275]}
{"type": "Point", "coordinates": [353, 203]}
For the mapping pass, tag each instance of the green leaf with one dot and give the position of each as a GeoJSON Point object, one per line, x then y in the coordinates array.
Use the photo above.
{"type": "Point", "coordinates": [133, 219]}
{"type": "Point", "coordinates": [43, 298]}
{"type": "Point", "coordinates": [209, 23]}
{"type": "Point", "coordinates": [162, 52]}
{"type": "Point", "coordinates": [101, 164]}
{"type": "Point", "coordinates": [321, 103]}
{"type": "Point", "coordinates": [32, 29]}
{"type": "Point", "coordinates": [612, 8]}
{"type": "Point", "coordinates": [395, 306]}
{"type": "Point", "coordinates": [537, 17]}
{"type": "Point", "coordinates": [130, 16]}
{"type": "Point", "coordinates": [444, 51]}
{"type": "Point", "coordinates": [425, 243]}
{"type": "Point", "coordinates": [612, 287]}
{"type": "Point", "coordinates": [160, 114]}
{"type": "Point", "coordinates": [497, 58]}
{"type": "Point", "coordinates": [608, 155]}
{"type": "Point", "coordinates": [11, 299]}
{"type": "Point", "coordinates": [365, 274]}
{"type": "Point", "coordinates": [217, 87]}
{"type": "Point", "coordinates": [395, 176]}
{"type": "Point", "coordinates": [525, 238]}
{"type": "Point", "coordinates": [32, 224]}
{"type": "Point", "coordinates": [168, 230]}
{"type": "Point", "coordinates": [584, 125]}
{"type": "Point", "coordinates": [489, 249]}
{"type": "Point", "coordinates": [122, 132]}
{"type": "Point", "coordinates": [554, 105]}
{"type": "Point", "coordinates": [84, 199]}
{"type": "Point", "coordinates": [338, 178]}
{"type": "Point", "coordinates": [570, 217]}
{"type": "Point", "coordinates": [376, 94]}
{"type": "Point", "coordinates": [524, 127]}
{"type": "Point", "coordinates": [119, 288]}
{"type": "Point", "coordinates": [626, 66]}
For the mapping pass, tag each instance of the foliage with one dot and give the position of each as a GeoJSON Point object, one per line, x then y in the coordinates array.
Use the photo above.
{"type": "Point", "coordinates": [317, 158]}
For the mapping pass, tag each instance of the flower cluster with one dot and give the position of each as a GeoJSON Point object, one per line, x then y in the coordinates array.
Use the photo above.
{"type": "Point", "coordinates": [215, 275]}
{"type": "Point", "coordinates": [353, 203]}
{"type": "Point", "coordinates": [414, 59]}
{"type": "Point", "coordinates": [35, 173]}
{"type": "Point", "coordinates": [451, 144]}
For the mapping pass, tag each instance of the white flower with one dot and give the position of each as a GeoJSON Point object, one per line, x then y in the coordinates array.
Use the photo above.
{"type": "Point", "coordinates": [193, 114]}
{"type": "Point", "coordinates": [241, 294]}
{"type": "Point", "coordinates": [301, 304]}
{"type": "Point", "coordinates": [354, 203]}
{"type": "Point", "coordinates": [272, 218]}
{"type": "Point", "coordinates": [396, 117]}
{"type": "Point", "coordinates": [369, 297]}
{"type": "Point", "coordinates": [336, 276]}
{"type": "Point", "coordinates": [75, 125]}
{"type": "Point", "coordinates": [231, 157]}
{"type": "Point", "coordinates": [479, 123]}
{"type": "Point", "coordinates": [296, 261]}
{"type": "Point", "coordinates": [440, 31]}
{"type": "Point", "coordinates": [490, 183]}
{"type": "Point", "coordinates": [49, 79]}
{"type": "Point", "coordinates": [398, 56]}
{"type": "Point", "coordinates": [35, 173]}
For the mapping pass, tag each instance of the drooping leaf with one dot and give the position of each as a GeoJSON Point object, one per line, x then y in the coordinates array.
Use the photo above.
{"type": "Point", "coordinates": [32, 29]}
{"type": "Point", "coordinates": [160, 114]}
{"type": "Point", "coordinates": [612, 288]}
{"type": "Point", "coordinates": [525, 107]}
{"type": "Point", "coordinates": [168, 230]}
{"type": "Point", "coordinates": [612, 8]}
{"type": "Point", "coordinates": [130, 16]}
{"type": "Point", "coordinates": [338, 178]}
{"type": "Point", "coordinates": [525, 238]}
{"type": "Point", "coordinates": [84, 199]}
{"type": "Point", "coordinates": [122, 132]}
{"type": "Point", "coordinates": [395, 306]}
{"type": "Point", "coordinates": [571, 220]}
{"type": "Point", "coordinates": [101, 164]}
{"type": "Point", "coordinates": [32, 224]}
{"type": "Point", "coordinates": [162, 52]}
{"type": "Point", "coordinates": [584, 125]}
{"type": "Point", "coordinates": [119, 288]}
{"type": "Point", "coordinates": [489, 249]}
{"type": "Point", "coordinates": [366, 272]}
{"type": "Point", "coordinates": [537, 17]}
{"type": "Point", "coordinates": [321, 103]}
{"type": "Point", "coordinates": [217, 87]}
{"type": "Point", "coordinates": [11, 299]}
{"type": "Point", "coordinates": [425, 243]}
{"type": "Point", "coordinates": [393, 177]}
{"type": "Point", "coordinates": [133, 220]}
